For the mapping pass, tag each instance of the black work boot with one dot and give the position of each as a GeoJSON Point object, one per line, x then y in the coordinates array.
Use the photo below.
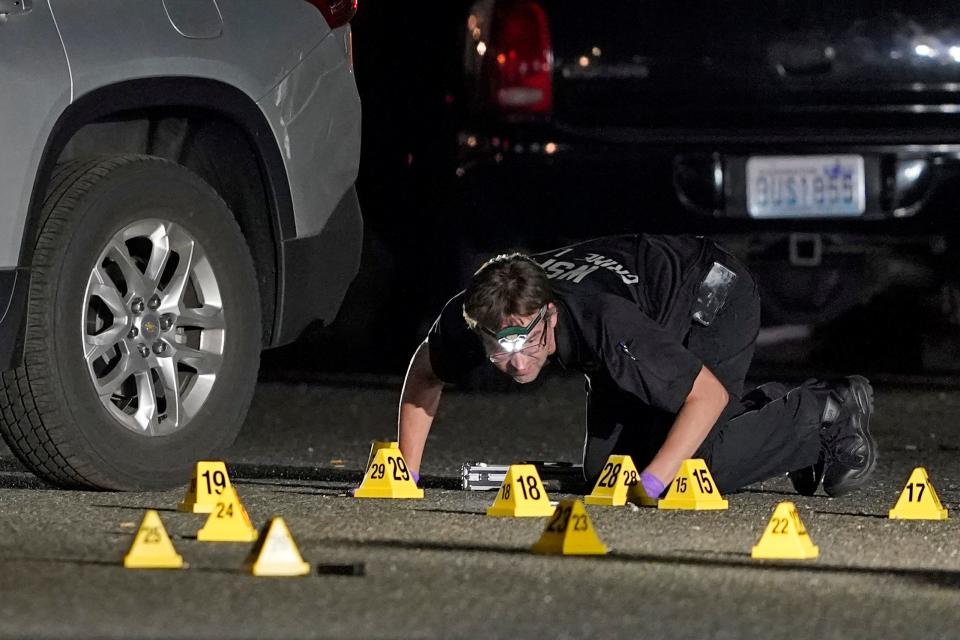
{"type": "Point", "coordinates": [807, 480]}
{"type": "Point", "coordinates": [849, 450]}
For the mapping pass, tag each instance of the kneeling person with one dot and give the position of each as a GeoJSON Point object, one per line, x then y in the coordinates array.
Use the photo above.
{"type": "Point", "coordinates": [663, 328]}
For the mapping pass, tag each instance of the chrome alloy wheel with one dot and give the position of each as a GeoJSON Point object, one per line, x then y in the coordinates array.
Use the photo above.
{"type": "Point", "coordinates": [153, 327]}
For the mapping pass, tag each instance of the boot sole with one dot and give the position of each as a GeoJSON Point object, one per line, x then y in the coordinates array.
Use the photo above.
{"type": "Point", "coordinates": [863, 394]}
{"type": "Point", "coordinates": [806, 481]}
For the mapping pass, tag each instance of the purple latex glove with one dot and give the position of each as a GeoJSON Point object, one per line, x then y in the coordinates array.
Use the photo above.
{"type": "Point", "coordinates": [651, 485]}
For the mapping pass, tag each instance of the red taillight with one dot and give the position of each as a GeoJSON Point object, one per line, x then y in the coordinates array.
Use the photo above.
{"type": "Point", "coordinates": [336, 12]}
{"type": "Point", "coordinates": [520, 61]}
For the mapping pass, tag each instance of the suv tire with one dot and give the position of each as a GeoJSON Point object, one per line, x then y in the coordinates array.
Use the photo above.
{"type": "Point", "coordinates": [72, 413]}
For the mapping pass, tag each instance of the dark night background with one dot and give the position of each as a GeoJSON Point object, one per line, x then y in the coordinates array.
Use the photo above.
{"type": "Point", "coordinates": [425, 232]}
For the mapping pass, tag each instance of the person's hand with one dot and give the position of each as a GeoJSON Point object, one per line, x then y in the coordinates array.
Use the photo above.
{"type": "Point", "coordinates": [652, 485]}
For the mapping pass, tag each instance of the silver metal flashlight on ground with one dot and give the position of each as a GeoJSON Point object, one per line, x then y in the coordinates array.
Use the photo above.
{"type": "Point", "coordinates": [556, 476]}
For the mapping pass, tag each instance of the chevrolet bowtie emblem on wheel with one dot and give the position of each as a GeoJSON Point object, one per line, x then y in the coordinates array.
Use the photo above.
{"type": "Point", "coordinates": [150, 329]}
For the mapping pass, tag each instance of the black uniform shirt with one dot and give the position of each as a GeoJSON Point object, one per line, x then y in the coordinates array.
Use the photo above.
{"type": "Point", "coordinates": [624, 307]}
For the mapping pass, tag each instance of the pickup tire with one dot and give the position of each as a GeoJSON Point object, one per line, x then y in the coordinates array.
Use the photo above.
{"type": "Point", "coordinates": [143, 328]}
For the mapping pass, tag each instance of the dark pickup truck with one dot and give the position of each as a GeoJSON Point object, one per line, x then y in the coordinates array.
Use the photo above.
{"type": "Point", "coordinates": [819, 140]}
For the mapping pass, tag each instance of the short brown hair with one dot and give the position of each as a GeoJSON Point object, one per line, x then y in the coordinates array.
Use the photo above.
{"type": "Point", "coordinates": [504, 286]}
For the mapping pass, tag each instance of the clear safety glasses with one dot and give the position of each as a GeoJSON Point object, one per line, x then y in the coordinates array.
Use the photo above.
{"type": "Point", "coordinates": [513, 340]}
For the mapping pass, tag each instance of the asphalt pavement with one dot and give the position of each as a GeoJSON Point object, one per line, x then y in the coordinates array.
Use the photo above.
{"type": "Point", "coordinates": [438, 567]}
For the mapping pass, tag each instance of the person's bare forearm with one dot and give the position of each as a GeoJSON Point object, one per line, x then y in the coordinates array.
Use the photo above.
{"type": "Point", "coordinates": [414, 427]}
{"type": "Point", "coordinates": [704, 405]}
{"type": "Point", "coordinates": [418, 405]}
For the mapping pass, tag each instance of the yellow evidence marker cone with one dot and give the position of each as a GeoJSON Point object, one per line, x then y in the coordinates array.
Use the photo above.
{"type": "Point", "coordinates": [918, 500]}
{"type": "Point", "coordinates": [570, 533]}
{"type": "Point", "coordinates": [276, 554]}
{"type": "Point", "coordinates": [521, 494]}
{"type": "Point", "coordinates": [638, 495]}
{"type": "Point", "coordinates": [785, 537]}
{"type": "Point", "coordinates": [152, 548]}
{"type": "Point", "coordinates": [376, 446]}
{"type": "Point", "coordinates": [388, 477]}
{"type": "Point", "coordinates": [228, 522]}
{"type": "Point", "coordinates": [693, 488]}
{"type": "Point", "coordinates": [616, 480]}
{"type": "Point", "coordinates": [209, 481]}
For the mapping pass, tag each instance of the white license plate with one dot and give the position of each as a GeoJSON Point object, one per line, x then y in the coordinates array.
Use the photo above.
{"type": "Point", "coordinates": [805, 186]}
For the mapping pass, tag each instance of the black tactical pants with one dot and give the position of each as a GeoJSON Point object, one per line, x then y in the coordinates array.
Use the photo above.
{"type": "Point", "coordinates": [766, 432]}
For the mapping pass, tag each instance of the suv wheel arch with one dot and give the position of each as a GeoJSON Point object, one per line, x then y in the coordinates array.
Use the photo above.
{"type": "Point", "coordinates": [155, 97]}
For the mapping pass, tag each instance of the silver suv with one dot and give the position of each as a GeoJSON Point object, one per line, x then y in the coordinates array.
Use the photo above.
{"type": "Point", "coordinates": [176, 192]}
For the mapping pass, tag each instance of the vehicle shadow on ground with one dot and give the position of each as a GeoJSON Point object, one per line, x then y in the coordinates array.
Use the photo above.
{"type": "Point", "coordinates": [263, 474]}
{"type": "Point", "coordinates": [860, 514]}
{"type": "Point", "coordinates": [14, 475]}
{"type": "Point", "coordinates": [24, 481]}
{"type": "Point", "coordinates": [937, 577]}
{"type": "Point", "coordinates": [318, 492]}
{"type": "Point", "coordinates": [295, 488]}
{"type": "Point", "coordinates": [134, 507]}
{"type": "Point", "coordinates": [118, 564]}
{"type": "Point", "coordinates": [772, 492]}
{"type": "Point", "coordinates": [250, 473]}
{"type": "Point", "coordinates": [425, 546]}
{"type": "Point", "coordinates": [742, 560]}
{"type": "Point", "coordinates": [453, 512]}
{"type": "Point", "coordinates": [83, 561]}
